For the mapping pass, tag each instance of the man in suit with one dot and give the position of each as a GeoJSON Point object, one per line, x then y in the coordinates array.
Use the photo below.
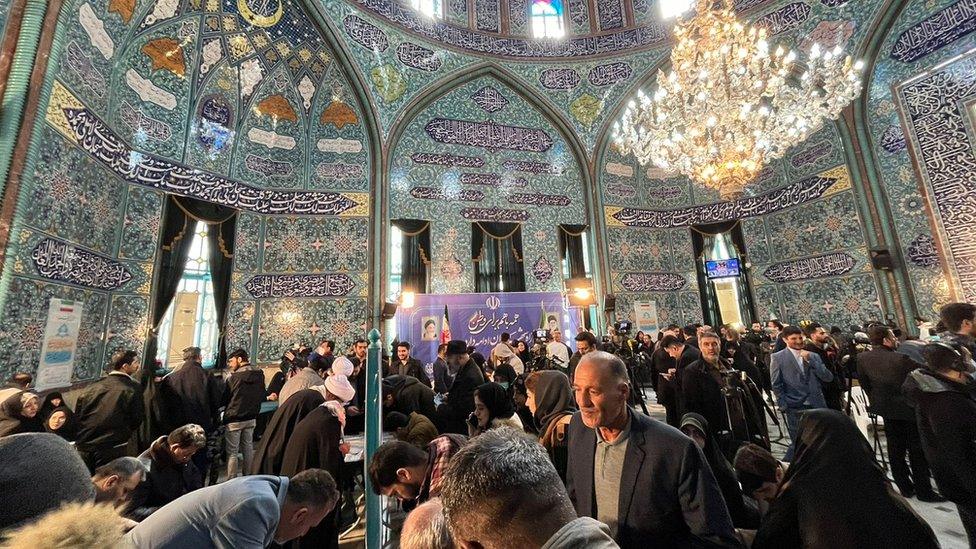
{"type": "Point", "coordinates": [649, 483]}
{"type": "Point", "coordinates": [796, 376]}
{"type": "Point", "coordinates": [459, 404]}
{"type": "Point", "coordinates": [667, 363]}
{"type": "Point", "coordinates": [881, 373]}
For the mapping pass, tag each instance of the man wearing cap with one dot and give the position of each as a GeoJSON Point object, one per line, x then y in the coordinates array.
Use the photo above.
{"type": "Point", "coordinates": [460, 400]}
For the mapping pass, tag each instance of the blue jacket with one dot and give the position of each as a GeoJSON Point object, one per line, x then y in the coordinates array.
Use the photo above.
{"type": "Point", "coordinates": [795, 388]}
{"type": "Point", "coordinates": [242, 513]}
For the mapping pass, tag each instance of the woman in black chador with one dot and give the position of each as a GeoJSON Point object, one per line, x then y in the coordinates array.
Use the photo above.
{"type": "Point", "coordinates": [835, 496]}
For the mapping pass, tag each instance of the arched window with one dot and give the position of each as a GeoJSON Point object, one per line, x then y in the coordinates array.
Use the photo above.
{"type": "Point", "coordinates": [430, 8]}
{"type": "Point", "coordinates": [547, 19]}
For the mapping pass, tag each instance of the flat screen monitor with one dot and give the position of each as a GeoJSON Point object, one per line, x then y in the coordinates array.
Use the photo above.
{"type": "Point", "coordinates": [722, 268]}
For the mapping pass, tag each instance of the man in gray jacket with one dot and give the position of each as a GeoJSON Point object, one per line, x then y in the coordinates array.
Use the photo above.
{"type": "Point", "coordinates": [242, 513]}
{"type": "Point", "coordinates": [502, 491]}
{"type": "Point", "coordinates": [648, 482]}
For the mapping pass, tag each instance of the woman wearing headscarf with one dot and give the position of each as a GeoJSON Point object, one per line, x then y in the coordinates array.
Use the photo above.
{"type": "Point", "coordinates": [550, 398]}
{"type": "Point", "coordinates": [316, 443]}
{"type": "Point", "coordinates": [271, 450]}
{"type": "Point", "coordinates": [834, 495]}
{"type": "Point", "coordinates": [57, 417]}
{"type": "Point", "coordinates": [18, 414]}
{"type": "Point", "coordinates": [493, 407]}
{"type": "Point", "coordinates": [744, 515]}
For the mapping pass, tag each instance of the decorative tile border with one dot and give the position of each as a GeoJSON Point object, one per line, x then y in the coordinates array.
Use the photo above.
{"type": "Point", "coordinates": [811, 267]}
{"type": "Point", "coordinates": [300, 285]}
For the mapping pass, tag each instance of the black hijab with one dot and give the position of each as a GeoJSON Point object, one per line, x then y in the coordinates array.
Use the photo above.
{"type": "Point", "coordinates": [270, 452]}
{"type": "Point", "coordinates": [496, 399]}
{"type": "Point", "coordinates": [743, 515]}
{"type": "Point", "coordinates": [553, 398]}
{"type": "Point", "coordinates": [834, 495]}
{"type": "Point", "coordinates": [70, 427]}
{"type": "Point", "coordinates": [12, 420]}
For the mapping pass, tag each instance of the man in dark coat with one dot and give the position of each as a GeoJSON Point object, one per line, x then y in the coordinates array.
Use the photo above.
{"type": "Point", "coordinates": [243, 398]}
{"type": "Point", "coordinates": [454, 411]}
{"type": "Point", "coordinates": [190, 395]}
{"type": "Point", "coordinates": [667, 363]}
{"type": "Point", "coordinates": [406, 394]}
{"type": "Point", "coordinates": [271, 450]}
{"type": "Point", "coordinates": [109, 412]}
{"type": "Point", "coordinates": [317, 443]}
{"type": "Point", "coordinates": [818, 341]}
{"type": "Point", "coordinates": [442, 376]}
{"type": "Point", "coordinates": [406, 365]}
{"type": "Point", "coordinates": [704, 387]}
{"type": "Point", "coordinates": [649, 483]}
{"type": "Point", "coordinates": [882, 373]}
{"type": "Point", "coordinates": [171, 474]}
{"type": "Point", "coordinates": [945, 405]}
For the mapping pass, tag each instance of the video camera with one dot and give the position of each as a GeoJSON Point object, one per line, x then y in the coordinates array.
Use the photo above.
{"type": "Point", "coordinates": [622, 327]}
{"type": "Point", "coordinates": [540, 336]}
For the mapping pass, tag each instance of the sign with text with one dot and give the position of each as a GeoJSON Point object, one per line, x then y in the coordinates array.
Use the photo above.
{"type": "Point", "coordinates": [645, 313]}
{"type": "Point", "coordinates": [481, 319]}
{"type": "Point", "coordinates": [59, 345]}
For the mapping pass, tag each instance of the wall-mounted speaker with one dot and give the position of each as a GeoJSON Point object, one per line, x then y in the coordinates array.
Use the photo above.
{"type": "Point", "coordinates": [882, 260]}
{"type": "Point", "coordinates": [609, 303]}
{"type": "Point", "coordinates": [389, 310]}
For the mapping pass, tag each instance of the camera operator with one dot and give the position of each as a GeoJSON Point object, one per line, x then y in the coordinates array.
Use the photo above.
{"type": "Point", "coordinates": [585, 343]}
{"type": "Point", "coordinates": [667, 368]}
{"type": "Point", "coordinates": [710, 388]}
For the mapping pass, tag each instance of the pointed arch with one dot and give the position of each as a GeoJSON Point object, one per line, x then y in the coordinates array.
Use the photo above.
{"type": "Point", "coordinates": [553, 115]}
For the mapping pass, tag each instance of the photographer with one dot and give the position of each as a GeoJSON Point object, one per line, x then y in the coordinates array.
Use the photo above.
{"type": "Point", "coordinates": [708, 387]}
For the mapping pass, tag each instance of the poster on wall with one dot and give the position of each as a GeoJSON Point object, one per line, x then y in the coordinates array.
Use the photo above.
{"type": "Point", "coordinates": [645, 313]}
{"type": "Point", "coordinates": [481, 319]}
{"type": "Point", "coordinates": [59, 345]}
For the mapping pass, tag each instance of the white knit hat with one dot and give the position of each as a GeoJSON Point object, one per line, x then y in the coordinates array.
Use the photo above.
{"type": "Point", "coordinates": [339, 386]}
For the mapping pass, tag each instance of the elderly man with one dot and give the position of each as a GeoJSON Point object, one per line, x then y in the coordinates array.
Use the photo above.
{"type": "Point", "coordinates": [459, 404]}
{"type": "Point", "coordinates": [426, 528]}
{"type": "Point", "coordinates": [502, 491]}
{"type": "Point", "coordinates": [644, 479]}
{"type": "Point", "coordinates": [116, 480]}
{"type": "Point", "coordinates": [243, 513]}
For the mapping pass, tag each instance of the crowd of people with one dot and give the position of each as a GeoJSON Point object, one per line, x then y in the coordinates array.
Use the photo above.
{"type": "Point", "coordinates": [536, 445]}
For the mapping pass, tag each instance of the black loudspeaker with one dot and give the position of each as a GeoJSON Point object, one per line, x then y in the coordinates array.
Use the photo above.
{"type": "Point", "coordinates": [389, 310]}
{"type": "Point", "coordinates": [881, 259]}
{"type": "Point", "coordinates": [609, 303]}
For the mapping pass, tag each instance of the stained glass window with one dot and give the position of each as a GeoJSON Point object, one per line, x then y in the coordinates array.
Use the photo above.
{"type": "Point", "coordinates": [547, 19]}
{"type": "Point", "coordinates": [430, 8]}
{"type": "Point", "coordinates": [195, 286]}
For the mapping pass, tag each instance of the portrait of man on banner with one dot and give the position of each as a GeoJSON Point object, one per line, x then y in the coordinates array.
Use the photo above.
{"type": "Point", "coordinates": [428, 331]}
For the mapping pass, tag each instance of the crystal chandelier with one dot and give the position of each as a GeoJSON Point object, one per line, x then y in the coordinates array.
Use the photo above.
{"type": "Point", "coordinates": [728, 105]}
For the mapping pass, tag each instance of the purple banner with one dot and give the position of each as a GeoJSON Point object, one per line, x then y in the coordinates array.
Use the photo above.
{"type": "Point", "coordinates": [481, 319]}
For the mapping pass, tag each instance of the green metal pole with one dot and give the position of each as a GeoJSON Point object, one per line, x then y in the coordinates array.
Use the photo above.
{"type": "Point", "coordinates": [374, 435]}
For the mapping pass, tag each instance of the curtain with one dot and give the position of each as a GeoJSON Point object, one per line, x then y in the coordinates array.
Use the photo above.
{"type": "Point", "coordinates": [571, 249]}
{"type": "Point", "coordinates": [180, 216]}
{"type": "Point", "coordinates": [221, 224]}
{"type": "Point", "coordinates": [415, 254]}
{"type": "Point", "coordinates": [496, 249]}
{"type": "Point", "coordinates": [703, 238]}
{"type": "Point", "coordinates": [177, 235]}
